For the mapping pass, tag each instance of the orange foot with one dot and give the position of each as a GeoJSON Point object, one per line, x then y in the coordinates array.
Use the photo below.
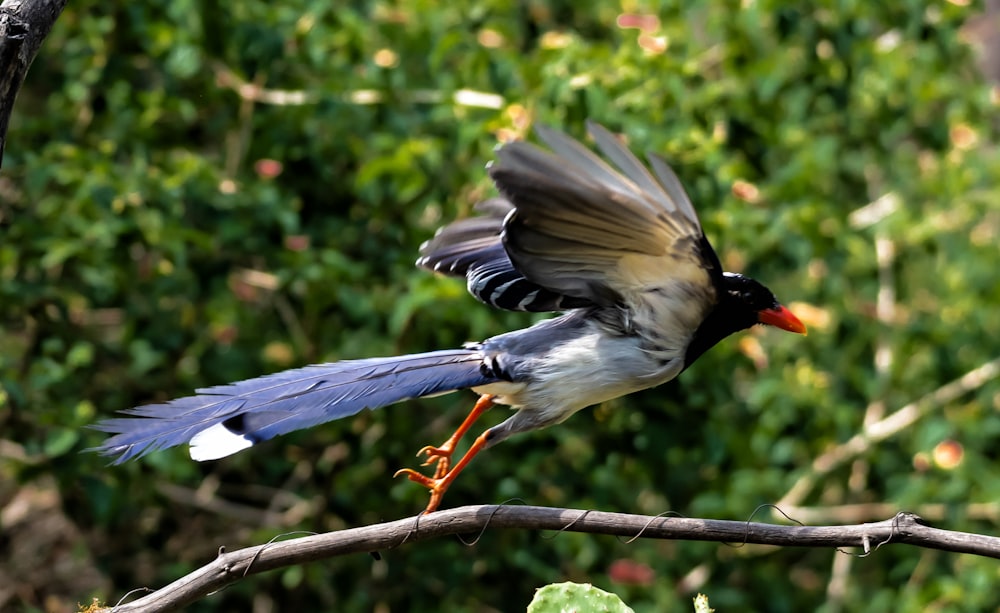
{"type": "Point", "coordinates": [439, 456]}
{"type": "Point", "coordinates": [436, 485]}
{"type": "Point", "coordinates": [439, 483]}
{"type": "Point", "coordinates": [444, 473]}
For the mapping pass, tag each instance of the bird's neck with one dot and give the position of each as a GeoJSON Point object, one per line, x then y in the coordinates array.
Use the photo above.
{"type": "Point", "coordinates": [725, 319]}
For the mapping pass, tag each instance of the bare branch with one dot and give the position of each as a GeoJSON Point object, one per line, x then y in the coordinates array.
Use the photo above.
{"type": "Point", "coordinates": [230, 567]}
{"type": "Point", "coordinates": [256, 92]}
{"type": "Point", "coordinates": [889, 425]}
{"type": "Point", "coordinates": [24, 24]}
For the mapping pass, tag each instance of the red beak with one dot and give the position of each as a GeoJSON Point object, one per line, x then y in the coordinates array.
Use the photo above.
{"type": "Point", "coordinates": [780, 317]}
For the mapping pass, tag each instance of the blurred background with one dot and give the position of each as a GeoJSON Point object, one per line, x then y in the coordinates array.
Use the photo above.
{"type": "Point", "coordinates": [195, 193]}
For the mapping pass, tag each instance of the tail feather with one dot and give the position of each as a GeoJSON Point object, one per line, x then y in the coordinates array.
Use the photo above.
{"type": "Point", "coordinates": [223, 419]}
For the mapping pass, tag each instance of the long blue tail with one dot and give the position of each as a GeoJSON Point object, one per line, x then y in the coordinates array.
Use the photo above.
{"type": "Point", "coordinates": [224, 419]}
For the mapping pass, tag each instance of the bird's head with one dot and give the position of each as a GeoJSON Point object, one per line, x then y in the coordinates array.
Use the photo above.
{"type": "Point", "coordinates": [742, 304]}
{"type": "Point", "coordinates": [757, 304]}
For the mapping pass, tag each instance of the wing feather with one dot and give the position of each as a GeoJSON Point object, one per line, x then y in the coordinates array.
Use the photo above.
{"type": "Point", "coordinates": [471, 248]}
{"type": "Point", "coordinates": [587, 229]}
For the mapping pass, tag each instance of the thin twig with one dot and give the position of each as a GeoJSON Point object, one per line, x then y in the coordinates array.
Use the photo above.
{"type": "Point", "coordinates": [888, 426]}
{"type": "Point", "coordinates": [256, 92]}
{"type": "Point", "coordinates": [885, 313]}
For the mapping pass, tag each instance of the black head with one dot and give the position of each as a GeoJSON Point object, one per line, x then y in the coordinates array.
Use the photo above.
{"type": "Point", "coordinates": [743, 302]}
{"type": "Point", "coordinates": [757, 304]}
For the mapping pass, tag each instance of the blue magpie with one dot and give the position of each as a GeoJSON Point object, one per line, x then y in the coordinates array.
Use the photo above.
{"type": "Point", "coordinates": [613, 245]}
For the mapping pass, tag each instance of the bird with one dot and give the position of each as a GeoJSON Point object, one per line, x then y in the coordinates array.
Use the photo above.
{"type": "Point", "coordinates": [610, 244]}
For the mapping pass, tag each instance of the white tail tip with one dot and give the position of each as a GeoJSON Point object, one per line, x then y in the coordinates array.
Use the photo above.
{"type": "Point", "coordinates": [217, 442]}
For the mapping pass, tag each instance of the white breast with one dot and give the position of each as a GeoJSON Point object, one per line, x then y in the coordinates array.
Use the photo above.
{"type": "Point", "coordinates": [581, 372]}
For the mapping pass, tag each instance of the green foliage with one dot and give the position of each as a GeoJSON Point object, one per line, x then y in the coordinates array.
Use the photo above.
{"type": "Point", "coordinates": [160, 232]}
{"type": "Point", "coordinates": [571, 597]}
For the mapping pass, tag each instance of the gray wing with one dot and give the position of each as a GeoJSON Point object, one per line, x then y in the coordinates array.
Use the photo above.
{"type": "Point", "coordinates": [471, 248]}
{"type": "Point", "coordinates": [587, 230]}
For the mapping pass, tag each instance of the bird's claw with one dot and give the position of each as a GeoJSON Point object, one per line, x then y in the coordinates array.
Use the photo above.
{"type": "Point", "coordinates": [412, 475]}
{"type": "Point", "coordinates": [441, 456]}
{"type": "Point", "coordinates": [436, 485]}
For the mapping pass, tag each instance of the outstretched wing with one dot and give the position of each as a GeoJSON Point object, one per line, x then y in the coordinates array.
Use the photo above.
{"type": "Point", "coordinates": [573, 231]}
{"type": "Point", "coordinates": [613, 236]}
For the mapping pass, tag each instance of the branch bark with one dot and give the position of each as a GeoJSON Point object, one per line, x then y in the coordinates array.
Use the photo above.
{"type": "Point", "coordinates": [24, 24]}
{"type": "Point", "coordinates": [229, 567]}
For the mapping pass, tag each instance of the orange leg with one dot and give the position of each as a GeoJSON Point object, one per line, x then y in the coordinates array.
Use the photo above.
{"type": "Point", "coordinates": [443, 472]}
{"type": "Point", "coordinates": [442, 455]}
{"type": "Point", "coordinates": [439, 485]}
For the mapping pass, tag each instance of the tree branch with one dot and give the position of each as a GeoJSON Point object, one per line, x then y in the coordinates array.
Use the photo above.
{"type": "Point", "coordinates": [229, 567]}
{"type": "Point", "coordinates": [889, 425]}
{"type": "Point", "coordinates": [24, 24]}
